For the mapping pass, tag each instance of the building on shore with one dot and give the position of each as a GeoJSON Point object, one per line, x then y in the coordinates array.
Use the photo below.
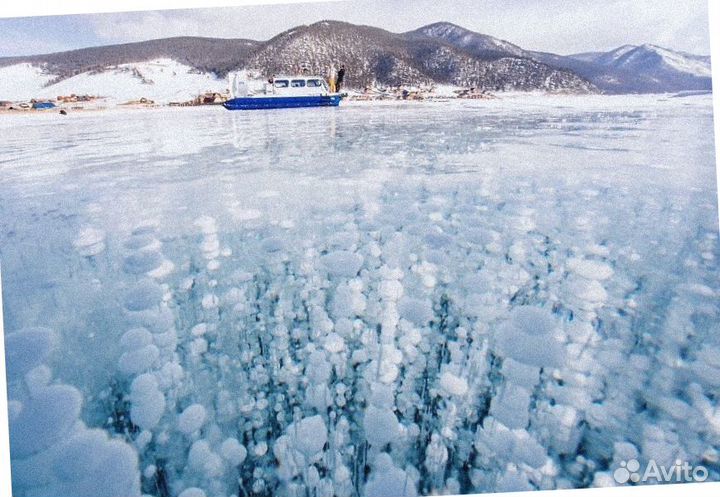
{"type": "Point", "coordinates": [75, 98]}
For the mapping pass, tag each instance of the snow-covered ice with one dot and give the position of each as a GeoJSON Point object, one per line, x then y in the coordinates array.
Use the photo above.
{"type": "Point", "coordinates": [396, 300]}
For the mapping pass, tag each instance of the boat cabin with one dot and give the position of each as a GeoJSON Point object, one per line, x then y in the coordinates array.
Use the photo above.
{"type": "Point", "coordinates": [281, 92]}
{"type": "Point", "coordinates": [292, 85]}
{"type": "Point", "coordinates": [283, 86]}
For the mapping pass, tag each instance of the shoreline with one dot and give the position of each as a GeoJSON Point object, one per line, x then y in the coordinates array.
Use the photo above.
{"type": "Point", "coordinates": [353, 101]}
{"type": "Point", "coordinates": [108, 104]}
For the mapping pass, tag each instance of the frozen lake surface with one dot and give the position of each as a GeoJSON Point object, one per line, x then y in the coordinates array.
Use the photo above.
{"type": "Point", "coordinates": [372, 300]}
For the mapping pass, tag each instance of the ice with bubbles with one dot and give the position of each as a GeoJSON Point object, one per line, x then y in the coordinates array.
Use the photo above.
{"type": "Point", "coordinates": [396, 299]}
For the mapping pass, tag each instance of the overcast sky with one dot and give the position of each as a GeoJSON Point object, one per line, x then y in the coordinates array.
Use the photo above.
{"type": "Point", "coordinates": [560, 26]}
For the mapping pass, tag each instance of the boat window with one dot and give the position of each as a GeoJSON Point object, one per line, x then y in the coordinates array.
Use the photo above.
{"type": "Point", "coordinates": [281, 83]}
{"type": "Point", "coordinates": [314, 83]}
{"type": "Point", "coordinates": [297, 83]}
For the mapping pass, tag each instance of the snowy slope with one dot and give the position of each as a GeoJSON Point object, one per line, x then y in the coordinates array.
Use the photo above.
{"type": "Point", "coordinates": [650, 61]}
{"type": "Point", "coordinates": [604, 58]}
{"type": "Point", "coordinates": [160, 80]}
{"type": "Point", "coordinates": [651, 58]}
{"type": "Point", "coordinates": [21, 81]}
{"type": "Point", "coordinates": [683, 62]}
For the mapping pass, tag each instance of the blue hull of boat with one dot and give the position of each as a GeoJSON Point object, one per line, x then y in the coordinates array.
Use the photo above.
{"type": "Point", "coordinates": [254, 103]}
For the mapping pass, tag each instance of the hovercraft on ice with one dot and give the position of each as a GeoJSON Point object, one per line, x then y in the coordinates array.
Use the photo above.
{"type": "Point", "coordinates": [282, 92]}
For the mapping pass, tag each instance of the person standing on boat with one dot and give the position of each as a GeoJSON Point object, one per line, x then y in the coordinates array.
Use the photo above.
{"type": "Point", "coordinates": [340, 78]}
{"type": "Point", "coordinates": [269, 86]}
{"type": "Point", "coordinates": [331, 76]}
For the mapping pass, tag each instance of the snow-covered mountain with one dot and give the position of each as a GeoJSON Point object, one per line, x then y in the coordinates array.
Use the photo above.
{"type": "Point", "coordinates": [216, 55]}
{"type": "Point", "coordinates": [437, 54]}
{"type": "Point", "coordinates": [650, 59]}
{"type": "Point", "coordinates": [626, 69]}
{"type": "Point", "coordinates": [442, 53]}
{"type": "Point", "coordinates": [604, 58]}
{"type": "Point", "coordinates": [475, 43]}
{"type": "Point", "coordinates": [637, 69]}
{"type": "Point", "coordinates": [376, 56]}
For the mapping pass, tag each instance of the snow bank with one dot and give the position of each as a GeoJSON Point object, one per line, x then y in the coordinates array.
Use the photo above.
{"type": "Point", "coordinates": [23, 81]}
